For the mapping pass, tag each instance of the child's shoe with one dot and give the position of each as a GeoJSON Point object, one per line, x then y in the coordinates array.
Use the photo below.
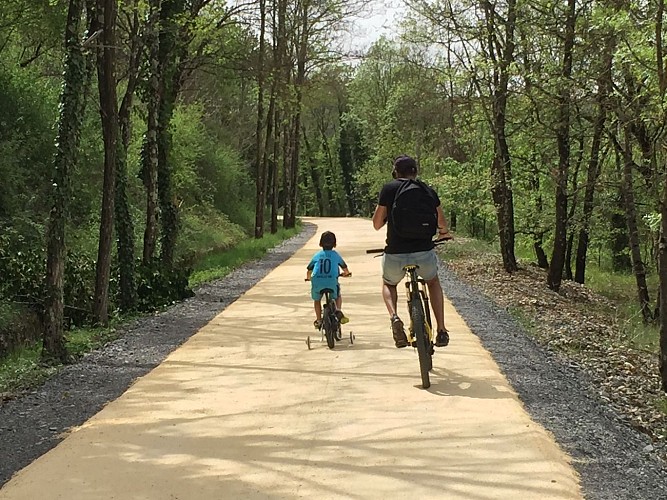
{"type": "Point", "coordinates": [317, 324]}
{"type": "Point", "coordinates": [342, 319]}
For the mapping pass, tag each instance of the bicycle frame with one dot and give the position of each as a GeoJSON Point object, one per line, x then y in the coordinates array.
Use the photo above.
{"type": "Point", "coordinates": [330, 325]}
{"type": "Point", "coordinates": [416, 288]}
{"type": "Point", "coordinates": [421, 328]}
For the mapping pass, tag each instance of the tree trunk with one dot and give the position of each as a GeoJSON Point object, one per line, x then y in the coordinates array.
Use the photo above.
{"type": "Point", "coordinates": [106, 75]}
{"type": "Point", "coordinates": [594, 162]}
{"type": "Point", "coordinates": [638, 267]}
{"type": "Point", "coordinates": [293, 174]}
{"type": "Point", "coordinates": [287, 152]}
{"type": "Point", "coordinates": [260, 180]}
{"type": "Point", "coordinates": [314, 175]}
{"type": "Point", "coordinates": [538, 232]}
{"type": "Point", "coordinates": [555, 274]}
{"type": "Point", "coordinates": [282, 133]}
{"type": "Point", "coordinates": [171, 51]}
{"type": "Point", "coordinates": [275, 171]}
{"type": "Point", "coordinates": [662, 265]}
{"type": "Point", "coordinates": [67, 144]}
{"type": "Point", "coordinates": [294, 168]}
{"type": "Point", "coordinates": [540, 254]}
{"type": "Point", "coordinates": [568, 257]}
{"type": "Point", "coordinates": [501, 167]}
{"type": "Point", "coordinates": [269, 150]}
{"type": "Point", "coordinates": [572, 211]}
{"type": "Point", "coordinates": [149, 153]}
{"type": "Point", "coordinates": [347, 156]}
{"type": "Point", "coordinates": [124, 225]}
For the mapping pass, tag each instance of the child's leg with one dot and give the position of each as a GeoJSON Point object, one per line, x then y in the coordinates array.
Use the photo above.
{"type": "Point", "coordinates": [318, 309]}
{"type": "Point", "coordinates": [339, 305]}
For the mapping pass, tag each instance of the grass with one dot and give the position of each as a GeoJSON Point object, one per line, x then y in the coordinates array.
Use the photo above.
{"type": "Point", "coordinates": [219, 264]}
{"type": "Point", "coordinates": [83, 340]}
{"type": "Point", "coordinates": [622, 290]}
{"type": "Point", "coordinates": [460, 248]}
{"type": "Point", "coordinates": [619, 288]}
{"type": "Point", "coordinates": [22, 369]}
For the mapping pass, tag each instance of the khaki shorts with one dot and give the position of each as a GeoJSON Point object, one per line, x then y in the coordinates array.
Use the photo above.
{"type": "Point", "coordinates": [393, 264]}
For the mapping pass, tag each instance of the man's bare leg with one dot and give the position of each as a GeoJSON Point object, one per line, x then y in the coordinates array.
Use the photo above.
{"type": "Point", "coordinates": [390, 296]}
{"type": "Point", "coordinates": [438, 307]}
{"type": "Point", "coordinates": [437, 302]}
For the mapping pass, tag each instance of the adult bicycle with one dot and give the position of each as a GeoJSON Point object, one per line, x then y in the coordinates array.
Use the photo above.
{"type": "Point", "coordinates": [420, 329]}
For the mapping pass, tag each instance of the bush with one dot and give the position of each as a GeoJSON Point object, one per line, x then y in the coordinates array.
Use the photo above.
{"type": "Point", "coordinates": [157, 287]}
{"type": "Point", "coordinates": [23, 268]}
{"type": "Point", "coordinates": [19, 326]}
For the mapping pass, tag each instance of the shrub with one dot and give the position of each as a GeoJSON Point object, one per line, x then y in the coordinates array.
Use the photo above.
{"type": "Point", "coordinates": [159, 287]}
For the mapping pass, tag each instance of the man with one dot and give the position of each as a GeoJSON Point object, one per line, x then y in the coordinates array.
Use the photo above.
{"type": "Point", "coordinates": [401, 251]}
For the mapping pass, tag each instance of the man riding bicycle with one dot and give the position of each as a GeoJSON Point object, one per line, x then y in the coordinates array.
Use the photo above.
{"type": "Point", "coordinates": [404, 247]}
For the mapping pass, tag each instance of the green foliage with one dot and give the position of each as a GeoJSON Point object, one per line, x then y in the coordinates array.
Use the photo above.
{"type": "Point", "coordinates": [22, 369]}
{"type": "Point", "coordinates": [208, 172]}
{"type": "Point", "coordinates": [206, 230]}
{"type": "Point", "coordinates": [461, 192]}
{"type": "Point", "coordinates": [26, 145]}
{"type": "Point", "coordinates": [83, 340]}
{"type": "Point", "coordinates": [158, 287]}
{"type": "Point", "coordinates": [19, 326]}
{"type": "Point", "coordinates": [220, 263]}
{"type": "Point", "coordinates": [23, 266]}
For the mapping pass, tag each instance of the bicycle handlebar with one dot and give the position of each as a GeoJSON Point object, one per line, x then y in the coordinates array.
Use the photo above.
{"type": "Point", "coordinates": [437, 242]}
{"type": "Point", "coordinates": [340, 276]}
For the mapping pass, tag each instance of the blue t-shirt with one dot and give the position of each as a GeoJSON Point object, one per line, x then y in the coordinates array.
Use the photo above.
{"type": "Point", "coordinates": [325, 265]}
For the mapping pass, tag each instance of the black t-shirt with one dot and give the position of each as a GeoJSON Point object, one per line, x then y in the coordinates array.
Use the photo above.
{"type": "Point", "coordinates": [396, 244]}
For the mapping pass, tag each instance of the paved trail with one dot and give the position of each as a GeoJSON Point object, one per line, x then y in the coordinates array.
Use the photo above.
{"type": "Point", "coordinates": [244, 410]}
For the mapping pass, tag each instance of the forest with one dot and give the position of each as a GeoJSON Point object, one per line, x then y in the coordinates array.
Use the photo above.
{"type": "Point", "coordinates": [137, 136]}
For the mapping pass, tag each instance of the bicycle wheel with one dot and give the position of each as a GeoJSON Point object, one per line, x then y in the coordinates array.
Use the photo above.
{"type": "Point", "coordinates": [329, 325]}
{"type": "Point", "coordinates": [423, 350]}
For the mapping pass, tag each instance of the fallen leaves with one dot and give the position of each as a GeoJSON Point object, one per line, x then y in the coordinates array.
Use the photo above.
{"type": "Point", "coordinates": [582, 327]}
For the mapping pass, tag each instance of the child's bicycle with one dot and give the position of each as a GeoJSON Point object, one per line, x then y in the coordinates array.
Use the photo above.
{"type": "Point", "coordinates": [420, 330]}
{"type": "Point", "coordinates": [330, 327]}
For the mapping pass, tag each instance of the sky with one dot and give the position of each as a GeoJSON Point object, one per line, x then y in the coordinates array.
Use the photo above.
{"type": "Point", "coordinates": [376, 20]}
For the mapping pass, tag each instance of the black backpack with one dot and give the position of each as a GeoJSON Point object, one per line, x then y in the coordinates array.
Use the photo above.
{"type": "Point", "coordinates": [413, 213]}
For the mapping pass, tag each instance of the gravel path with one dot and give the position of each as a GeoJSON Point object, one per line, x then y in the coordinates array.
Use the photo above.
{"type": "Point", "coordinates": [614, 461]}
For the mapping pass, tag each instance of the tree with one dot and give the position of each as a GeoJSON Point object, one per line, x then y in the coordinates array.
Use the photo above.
{"type": "Point", "coordinates": [106, 74]}
{"type": "Point", "coordinates": [149, 151]}
{"type": "Point", "coordinates": [69, 131]}
{"type": "Point", "coordinates": [123, 220]}
{"type": "Point", "coordinates": [261, 176]}
{"type": "Point", "coordinates": [555, 274]}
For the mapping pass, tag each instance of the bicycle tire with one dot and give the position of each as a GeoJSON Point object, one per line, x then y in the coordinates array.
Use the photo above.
{"type": "Point", "coordinates": [425, 361]}
{"type": "Point", "coordinates": [329, 327]}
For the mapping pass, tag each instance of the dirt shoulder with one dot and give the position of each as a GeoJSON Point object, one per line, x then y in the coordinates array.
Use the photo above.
{"type": "Point", "coordinates": [563, 355]}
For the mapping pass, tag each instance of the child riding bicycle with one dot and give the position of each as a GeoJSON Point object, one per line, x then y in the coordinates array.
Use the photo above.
{"type": "Point", "coordinates": [322, 271]}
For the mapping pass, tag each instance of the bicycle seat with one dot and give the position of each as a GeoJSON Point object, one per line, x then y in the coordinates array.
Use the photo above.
{"type": "Point", "coordinates": [326, 290]}
{"type": "Point", "coordinates": [409, 267]}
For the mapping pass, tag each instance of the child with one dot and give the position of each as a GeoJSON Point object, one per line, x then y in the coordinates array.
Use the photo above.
{"type": "Point", "coordinates": [322, 271]}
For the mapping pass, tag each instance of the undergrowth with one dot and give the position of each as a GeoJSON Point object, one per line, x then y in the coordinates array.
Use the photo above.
{"type": "Point", "coordinates": [22, 369]}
